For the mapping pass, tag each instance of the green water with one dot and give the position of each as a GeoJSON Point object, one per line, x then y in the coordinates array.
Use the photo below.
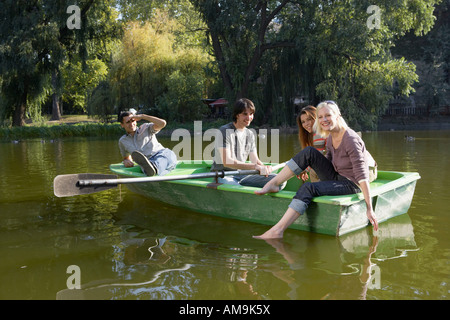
{"type": "Point", "coordinates": [129, 247]}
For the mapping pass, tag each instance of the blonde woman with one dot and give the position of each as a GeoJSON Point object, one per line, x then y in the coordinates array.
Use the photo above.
{"type": "Point", "coordinates": [344, 169]}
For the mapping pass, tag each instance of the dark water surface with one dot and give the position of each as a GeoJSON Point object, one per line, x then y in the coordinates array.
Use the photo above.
{"type": "Point", "coordinates": [128, 247]}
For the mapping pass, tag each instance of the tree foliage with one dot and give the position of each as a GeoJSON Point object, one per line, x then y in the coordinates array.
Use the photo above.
{"type": "Point", "coordinates": [35, 41]}
{"type": "Point", "coordinates": [328, 49]}
{"type": "Point", "coordinates": [173, 54]}
{"type": "Point", "coordinates": [431, 53]}
{"type": "Point", "coordinates": [155, 73]}
{"type": "Point", "coordinates": [80, 78]}
{"type": "Point", "coordinates": [23, 57]}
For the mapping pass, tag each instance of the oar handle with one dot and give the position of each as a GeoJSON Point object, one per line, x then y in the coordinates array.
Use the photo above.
{"type": "Point", "coordinates": [215, 174]}
{"type": "Point", "coordinates": [96, 182]}
{"type": "Point", "coordinates": [85, 183]}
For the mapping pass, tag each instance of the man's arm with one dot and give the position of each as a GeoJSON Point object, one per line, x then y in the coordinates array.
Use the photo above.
{"type": "Point", "coordinates": [158, 123]}
{"type": "Point", "coordinates": [255, 163]}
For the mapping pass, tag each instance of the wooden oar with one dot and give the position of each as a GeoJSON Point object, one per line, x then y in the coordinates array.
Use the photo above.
{"type": "Point", "coordinates": [68, 185]}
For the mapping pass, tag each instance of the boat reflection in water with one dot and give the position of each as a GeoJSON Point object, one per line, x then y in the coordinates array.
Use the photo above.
{"type": "Point", "coordinates": [303, 265]}
{"type": "Point", "coordinates": [352, 260]}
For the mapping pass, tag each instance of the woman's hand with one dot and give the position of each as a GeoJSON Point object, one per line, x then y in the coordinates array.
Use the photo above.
{"type": "Point", "coordinates": [372, 218]}
{"type": "Point", "coordinates": [365, 188]}
{"type": "Point", "coordinates": [304, 176]}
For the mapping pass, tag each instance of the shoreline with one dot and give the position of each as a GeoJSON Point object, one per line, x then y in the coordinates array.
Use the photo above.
{"type": "Point", "coordinates": [414, 124]}
{"type": "Point", "coordinates": [80, 127]}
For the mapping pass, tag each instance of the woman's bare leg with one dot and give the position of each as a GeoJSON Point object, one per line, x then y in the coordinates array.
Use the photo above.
{"type": "Point", "coordinates": [277, 231]}
{"type": "Point", "coordinates": [274, 184]}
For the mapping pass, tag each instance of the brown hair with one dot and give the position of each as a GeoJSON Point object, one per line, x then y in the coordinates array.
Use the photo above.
{"type": "Point", "coordinates": [240, 107]}
{"type": "Point", "coordinates": [304, 137]}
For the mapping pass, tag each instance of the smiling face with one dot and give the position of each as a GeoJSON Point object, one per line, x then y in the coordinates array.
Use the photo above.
{"type": "Point", "coordinates": [129, 124]}
{"type": "Point", "coordinates": [244, 119]}
{"type": "Point", "coordinates": [307, 122]}
{"type": "Point", "coordinates": [328, 120]}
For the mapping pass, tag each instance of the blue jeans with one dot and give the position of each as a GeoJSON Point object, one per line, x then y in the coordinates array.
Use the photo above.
{"type": "Point", "coordinates": [164, 160]}
{"type": "Point", "coordinates": [256, 180]}
{"type": "Point", "coordinates": [331, 183]}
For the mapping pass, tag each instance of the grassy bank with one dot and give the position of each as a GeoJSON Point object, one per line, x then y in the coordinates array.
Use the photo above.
{"type": "Point", "coordinates": [60, 131]}
{"type": "Point", "coordinates": [81, 126]}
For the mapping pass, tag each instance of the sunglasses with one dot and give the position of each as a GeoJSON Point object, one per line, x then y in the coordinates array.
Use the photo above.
{"type": "Point", "coordinates": [330, 102]}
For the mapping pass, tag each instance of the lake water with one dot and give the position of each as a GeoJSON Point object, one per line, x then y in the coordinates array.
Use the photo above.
{"type": "Point", "coordinates": [119, 245]}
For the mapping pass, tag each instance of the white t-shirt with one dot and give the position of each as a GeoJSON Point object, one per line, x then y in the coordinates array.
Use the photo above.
{"type": "Point", "coordinates": [240, 143]}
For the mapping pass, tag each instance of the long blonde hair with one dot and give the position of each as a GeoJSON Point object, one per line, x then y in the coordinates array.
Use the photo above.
{"type": "Point", "coordinates": [334, 109]}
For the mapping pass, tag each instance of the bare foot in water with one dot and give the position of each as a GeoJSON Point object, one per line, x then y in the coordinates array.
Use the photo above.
{"type": "Point", "coordinates": [267, 237]}
{"type": "Point", "coordinates": [277, 231]}
{"type": "Point", "coordinates": [268, 188]}
{"type": "Point", "coordinates": [269, 234]}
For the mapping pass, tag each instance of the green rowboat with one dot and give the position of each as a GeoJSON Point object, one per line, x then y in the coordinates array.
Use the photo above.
{"type": "Point", "coordinates": [392, 194]}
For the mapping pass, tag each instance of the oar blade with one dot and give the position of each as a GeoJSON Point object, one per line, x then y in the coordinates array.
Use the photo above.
{"type": "Point", "coordinates": [67, 185]}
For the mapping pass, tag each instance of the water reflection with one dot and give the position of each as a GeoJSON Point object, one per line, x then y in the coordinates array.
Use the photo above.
{"type": "Point", "coordinates": [145, 251]}
{"type": "Point", "coordinates": [353, 264]}
{"type": "Point", "coordinates": [129, 247]}
{"type": "Point", "coordinates": [148, 264]}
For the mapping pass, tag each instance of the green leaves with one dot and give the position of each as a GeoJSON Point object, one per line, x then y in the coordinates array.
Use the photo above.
{"type": "Point", "coordinates": [269, 51]}
{"type": "Point", "coordinates": [158, 75]}
{"type": "Point", "coordinates": [340, 54]}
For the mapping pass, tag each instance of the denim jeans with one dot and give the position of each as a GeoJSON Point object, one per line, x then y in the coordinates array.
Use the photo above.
{"type": "Point", "coordinates": [164, 160]}
{"type": "Point", "coordinates": [257, 181]}
{"type": "Point", "coordinates": [331, 183]}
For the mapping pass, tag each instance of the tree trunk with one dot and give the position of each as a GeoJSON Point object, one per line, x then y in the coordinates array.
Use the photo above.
{"type": "Point", "coordinates": [19, 113]}
{"type": "Point", "coordinates": [56, 112]}
{"type": "Point", "coordinates": [217, 48]}
{"type": "Point", "coordinates": [21, 108]}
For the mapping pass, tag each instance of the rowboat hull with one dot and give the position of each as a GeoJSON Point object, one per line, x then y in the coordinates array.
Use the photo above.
{"type": "Point", "coordinates": [392, 194]}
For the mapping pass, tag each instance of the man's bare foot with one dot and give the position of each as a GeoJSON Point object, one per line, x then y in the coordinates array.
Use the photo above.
{"type": "Point", "coordinates": [268, 188]}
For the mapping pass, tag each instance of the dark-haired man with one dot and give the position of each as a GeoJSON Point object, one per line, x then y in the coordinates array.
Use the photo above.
{"type": "Point", "coordinates": [236, 145]}
{"type": "Point", "coordinates": [140, 145]}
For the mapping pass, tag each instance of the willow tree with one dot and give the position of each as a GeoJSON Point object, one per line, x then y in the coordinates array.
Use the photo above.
{"type": "Point", "coordinates": [154, 72]}
{"type": "Point", "coordinates": [22, 58]}
{"type": "Point", "coordinates": [320, 49]}
{"type": "Point", "coordinates": [239, 33]}
{"type": "Point", "coordinates": [36, 38]}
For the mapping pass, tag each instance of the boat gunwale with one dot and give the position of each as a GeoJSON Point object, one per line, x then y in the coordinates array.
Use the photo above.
{"type": "Point", "coordinates": [378, 187]}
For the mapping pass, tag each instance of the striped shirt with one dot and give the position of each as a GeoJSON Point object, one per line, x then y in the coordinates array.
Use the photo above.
{"type": "Point", "coordinates": [319, 142]}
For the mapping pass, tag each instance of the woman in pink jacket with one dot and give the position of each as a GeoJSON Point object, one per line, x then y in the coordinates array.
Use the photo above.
{"type": "Point", "coordinates": [347, 168]}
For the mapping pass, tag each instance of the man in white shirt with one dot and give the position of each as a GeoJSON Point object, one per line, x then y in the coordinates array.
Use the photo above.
{"type": "Point", "coordinates": [237, 144]}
